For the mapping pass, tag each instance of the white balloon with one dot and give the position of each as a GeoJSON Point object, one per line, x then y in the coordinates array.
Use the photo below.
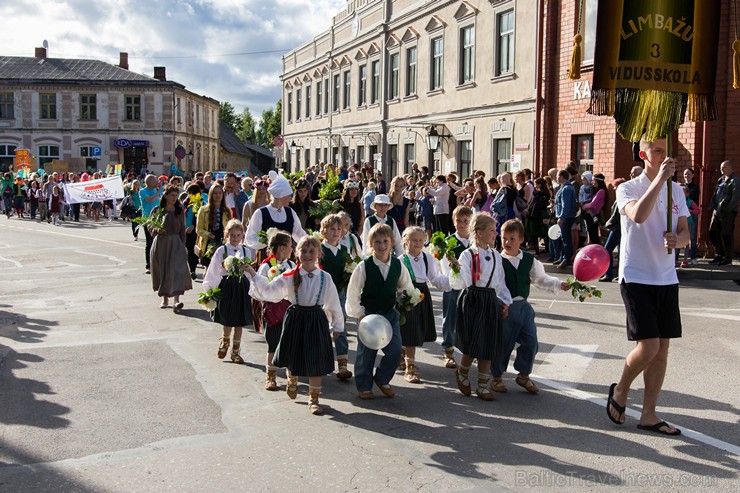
{"type": "Point", "coordinates": [375, 331]}
{"type": "Point", "coordinates": [554, 232]}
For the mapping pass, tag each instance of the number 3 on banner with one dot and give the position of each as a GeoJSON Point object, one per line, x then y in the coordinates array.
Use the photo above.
{"type": "Point", "coordinates": [655, 50]}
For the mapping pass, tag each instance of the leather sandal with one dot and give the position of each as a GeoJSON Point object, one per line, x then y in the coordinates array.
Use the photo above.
{"type": "Point", "coordinates": [223, 347]}
{"type": "Point", "coordinates": [529, 385]}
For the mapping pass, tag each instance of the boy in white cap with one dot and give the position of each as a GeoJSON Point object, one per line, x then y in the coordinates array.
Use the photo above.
{"type": "Point", "coordinates": [277, 214]}
{"type": "Point", "coordinates": [381, 205]}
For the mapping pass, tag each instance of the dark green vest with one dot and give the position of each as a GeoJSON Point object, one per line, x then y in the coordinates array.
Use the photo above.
{"type": "Point", "coordinates": [460, 248]}
{"type": "Point", "coordinates": [388, 221]}
{"type": "Point", "coordinates": [333, 264]}
{"type": "Point", "coordinates": [379, 295]}
{"type": "Point", "coordinates": [517, 280]}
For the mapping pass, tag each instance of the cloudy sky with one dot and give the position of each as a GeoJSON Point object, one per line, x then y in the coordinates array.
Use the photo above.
{"type": "Point", "coordinates": [229, 50]}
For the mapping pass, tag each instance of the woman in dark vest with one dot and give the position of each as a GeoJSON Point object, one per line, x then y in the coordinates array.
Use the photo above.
{"type": "Point", "coordinates": [275, 215]}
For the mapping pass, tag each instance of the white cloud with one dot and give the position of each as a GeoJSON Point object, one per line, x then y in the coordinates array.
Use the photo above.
{"type": "Point", "coordinates": [186, 36]}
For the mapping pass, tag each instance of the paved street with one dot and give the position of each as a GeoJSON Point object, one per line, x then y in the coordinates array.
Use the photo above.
{"type": "Point", "coordinates": [101, 390]}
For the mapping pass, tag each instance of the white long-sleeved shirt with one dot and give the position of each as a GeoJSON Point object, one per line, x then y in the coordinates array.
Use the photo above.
{"type": "Point", "coordinates": [283, 288]}
{"type": "Point", "coordinates": [283, 265]}
{"type": "Point", "coordinates": [357, 282]}
{"type": "Point", "coordinates": [397, 241]}
{"type": "Point", "coordinates": [441, 196]}
{"type": "Point", "coordinates": [465, 278]}
{"type": "Point", "coordinates": [277, 215]}
{"type": "Point", "coordinates": [216, 269]}
{"type": "Point", "coordinates": [438, 280]}
{"type": "Point", "coordinates": [537, 275]}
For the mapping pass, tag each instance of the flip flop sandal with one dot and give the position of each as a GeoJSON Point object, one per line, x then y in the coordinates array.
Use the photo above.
{"type": "Point", "coordinates": [611, 402]}
{"type": "Point", "coordinates": [657, 429]}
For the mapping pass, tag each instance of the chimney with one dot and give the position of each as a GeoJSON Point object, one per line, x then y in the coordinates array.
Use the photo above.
{"type": "Point", "coordinates": [123, 60]}
{"type": "Point", "coordinates": [40, 53]}
{"type": "Point", "coordinates": [160, 73]}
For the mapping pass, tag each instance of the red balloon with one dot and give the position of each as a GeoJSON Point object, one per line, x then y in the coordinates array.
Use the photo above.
{"type": "Point", "coordinates": [591, 263]}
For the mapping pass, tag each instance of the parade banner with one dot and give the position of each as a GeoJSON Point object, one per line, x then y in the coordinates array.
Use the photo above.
{"type": "Point", "coordinates": [94, 190]}
{"type": "Point", "coordinates": [654, 59]}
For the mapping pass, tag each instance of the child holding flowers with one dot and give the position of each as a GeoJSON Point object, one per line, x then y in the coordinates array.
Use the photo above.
{"type": "Point", "coordinates": [280, 246]}
{"type": "Point", "coordinates": [483, 301]}
{"type": "Point", "coordinates": [334, 259]}
{"type": "Point", "coordinates": [461, 220]}
{"type": "Point", "coordinates": [521, 270]}
{"type": "Point", "coordinates": [349, 240]}
{"type": "Point", "coordinates": [419, 325]}
{"type": "Point", "coordinates": [315, 313]}
{"type": "Point", "coordinates": [372, 290]}
{"type": "Point", "coordinates": [226, 272]}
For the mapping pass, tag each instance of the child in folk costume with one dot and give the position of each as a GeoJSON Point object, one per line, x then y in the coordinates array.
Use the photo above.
{"type": "Point", "coordinates": [372, 290]}
{"type": "Point", "coordinates": [234, 309]}
{"type": "Point", "coordinates": [521, 270]}
{"type": "Point", "coordinates": [280, 247]}
{"type": "Point", "coordinates": [484, 300]}
{"type": "Point", "coordinates": [349, 240]}
{"type": "Point", "coordinates": [461, 220]}
{"type": "Point", "coordinates": [333, 263]}
{"type": "Point", "coordinates": [419, 326]}
{"type": "Point", "coordinates": [305, 344]}
{"type": "Point", "coordinates": [381, 205]}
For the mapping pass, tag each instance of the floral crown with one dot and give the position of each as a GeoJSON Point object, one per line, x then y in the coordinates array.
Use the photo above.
{"type": "Point", "coordinates": [351, 184]}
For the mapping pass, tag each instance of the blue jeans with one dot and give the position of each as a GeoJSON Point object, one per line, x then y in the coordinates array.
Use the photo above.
{"type": "Point", "coordinates": [449, 317]}
{"type": "Point", "coordinates": [612, 242]}
{"type": "Point", "coordinates": [388, 363]}
{"type": "Point", "coordinates": [555, 248]}
{"type": "Point", "coordinates": [690, 250]}
{"type": "Point", "coordinates": [519, 327]}
{"type": "Point", "coordinates": [341, 344]}
{"type": "Point", "coordinates": [567, 240]}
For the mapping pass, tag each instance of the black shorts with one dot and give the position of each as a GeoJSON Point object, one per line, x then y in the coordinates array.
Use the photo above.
{"type": "Point", "coordinates": [652, 311]}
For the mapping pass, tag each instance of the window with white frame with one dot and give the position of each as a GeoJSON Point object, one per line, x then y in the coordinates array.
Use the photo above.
{"type": "Point", "coordinates": [47, 154]}
{"type": "Point", "coordinates": [362, 95]}
{"type": "Point", "coordinates": [337, 88]}
{"type": "Point", "coordinates": [588, 18]}
{"type": "Point", "coordinates": [360, 157]}
{"type": "Point", "coordinates": [290, 107]}
{"type": "Point", "coordinates": [133, 108]}
{"type": "Point", "coordinates": [465, 153]}
{"type": "Point", "coordinates": [308, 101]}
{"type": "Point", "coordinates": [505, 42]}
{"type": "Point", "coordinates": [411, 71]}
{"type": "Point", "coordinates": [318, 98]}
{"type": "Point", "coordinates": [409, 156]}
{"type": "Point", "coordinates": [179, 111]}
{"type": "Point", "coordinates": [393, 158]}
{"type": "Point", "coordinates": [502, 151]}
{"type": "Point", "coordinates": [375, 85]}
{"type": "Point", "coordinates": [393, 80]}
{"type": "Point", "coordinates": [347, 93]}
{"type": "Point", "coordinates": [326, 96]}
{"type": "Point", "coordinates": [86, 151]}
{"type": "Point", "coordinates": [48, 106]}
{"type": "Point", "coordinates": [584, 152]}
{"type": "Point", "coordinates": [298, 106]}
{"type": "Point", "coordinates": [7, 155]}
{"type": "Point", "coordinates": [7, 109]}
{"type": "Point", "coordinates": [467, 55]}
{"type": "Point", "coordinates": [435, 81]}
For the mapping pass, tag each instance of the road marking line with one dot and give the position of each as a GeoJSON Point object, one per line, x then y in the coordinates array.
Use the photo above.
{"type": "Point", "coordinates": [568, 362]}
{"type": "Point", "coordinates": [80, 236]}
{"type": "Point", "coordinates": [694, 435]}
{"type": "Point", "coordinates": [14, 262]}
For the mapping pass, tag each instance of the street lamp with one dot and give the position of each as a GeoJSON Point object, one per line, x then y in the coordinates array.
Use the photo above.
{"type": "Point", "coordinates": [433, 138]}
{"type": "Point", "coordinates": [293, 147]}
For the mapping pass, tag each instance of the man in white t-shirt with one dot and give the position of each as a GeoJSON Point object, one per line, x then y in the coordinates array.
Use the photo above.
{"type": "Point", "coordinates": [648, 281]}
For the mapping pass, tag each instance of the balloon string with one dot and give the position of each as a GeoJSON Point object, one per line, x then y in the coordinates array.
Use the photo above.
{"type": "Point", "coordinates": [553, 300]}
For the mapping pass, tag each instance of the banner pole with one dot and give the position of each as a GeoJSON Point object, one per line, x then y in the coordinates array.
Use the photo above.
{"type": "Point", "coordinates": [669, 190]}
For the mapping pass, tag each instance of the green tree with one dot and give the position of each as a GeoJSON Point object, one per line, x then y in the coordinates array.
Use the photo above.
{"type": "Point", "coordinates": [247, 128]}
{"type": "Point", "coordinates": [270, 125]}
{"type": "Point", "coordinates": [227, 113]}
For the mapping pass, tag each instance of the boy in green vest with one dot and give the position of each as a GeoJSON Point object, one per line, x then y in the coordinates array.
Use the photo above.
{"type": "Point", "coordinates": [461, 219]}
{"type": "Point", "coordinates": [521, 270]}
{"type": "Point", "coordinates": [333, 263]}
{"type": "Point", "coordinates": [381, 205]}
{"type": "Point", "coordinates": [372, 290]}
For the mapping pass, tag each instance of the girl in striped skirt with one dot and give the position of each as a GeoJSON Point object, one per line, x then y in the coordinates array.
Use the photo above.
{"type": "Point", "coordinates": [484, 300]}
{"type": "Point", "coordinates": [305, 346]}
{"type": "Point", "coordinates": [419, 326]}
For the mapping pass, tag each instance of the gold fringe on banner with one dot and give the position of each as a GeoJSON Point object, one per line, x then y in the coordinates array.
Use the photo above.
{"type": "Point", "coordinates": [602, 102]}
{"type": "Point", "coordinates": [702, 107]}
{"type": "Point", "coordinates": [575, 59]}
{"type": "Point", "coordinates": [736, 64]}
{"type": "Point", "coordinates": [655, 112]}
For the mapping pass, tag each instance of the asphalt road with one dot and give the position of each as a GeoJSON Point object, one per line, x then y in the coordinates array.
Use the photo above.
{"type": "Point", "coordinates": [101, 390]}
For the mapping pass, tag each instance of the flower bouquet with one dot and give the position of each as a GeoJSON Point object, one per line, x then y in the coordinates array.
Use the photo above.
{"type": "Point", "coordinates": [264, 236]}
{"type": "Point", "coordinates": [406, 300]}
{"type": "Point", "coordinates": [582, 291]}
{"type": "Point", "coordinates": [276, 270]}
{"type": "Point", "coordinates": [235, 265]}
{"type": "Point", "coordinates": [350, 264]}
{"type": "Point", "coordinates": [211, 249]}
{"type": "Point", "coordinates": [209, 299]}
{"type": "Point", "coordinates": [443, 248]}
{"type": "Point", "coordinates": [196, 201]}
